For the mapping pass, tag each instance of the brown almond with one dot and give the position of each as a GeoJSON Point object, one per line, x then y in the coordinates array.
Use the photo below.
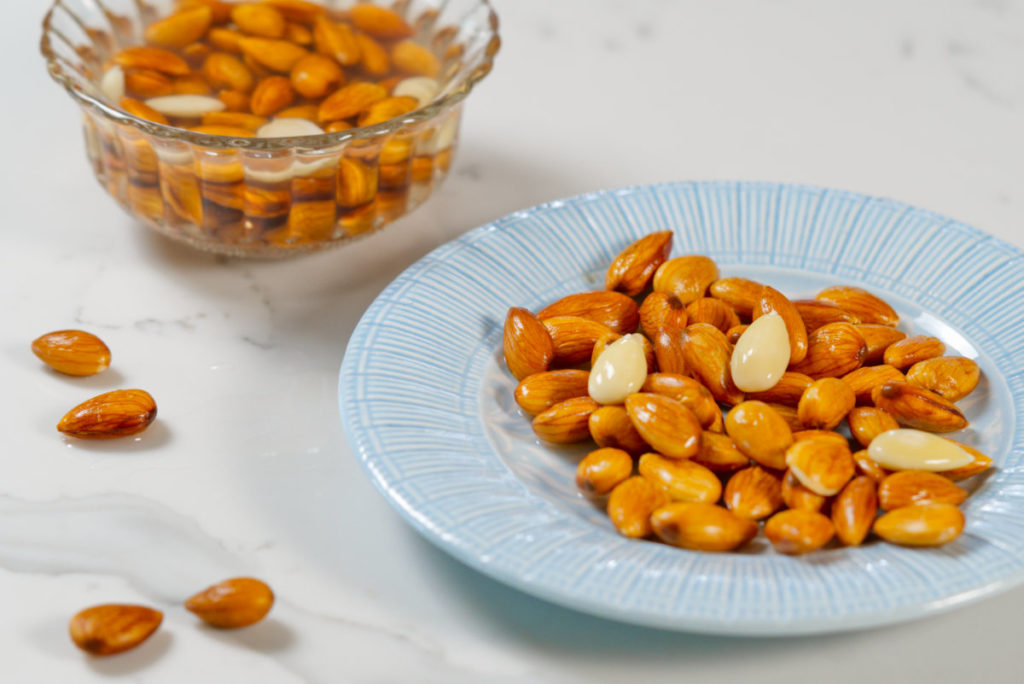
{"type": "Point", "coordinates": [113, 628]}
{"type": "Point", "coordinates": [816, 313]}
{"type": "Point", "coordinates": [796, 532]}
{"type": "Point", "coordinates": [951, 377]}
{"type": "Point", "coordinates": [631, 504]}
{"type": "Point", "coordinates": [146, 83]}
{"type": "Point", "coordinates": [225, 39]}
{"type": "Point", "coordinates": [867, 422]}
{"type": "Point", "coordinates": [713, 312]}
{"type": "Point", "coordinates": [227, 72]}
{"type": "Point", "coordinates": [910, 350]}
{"type": "Point", "coordinates": [666, 424]}
{"type": "Point", "coordinates": [192, 84]}
{"type": "Point", "coordinates": [234, 100]}
{"type": "Point", "coordinates": [298, 34]}
{"type": "Point", "coordinates": [686, 277]}
{"type": "Point", "coordinates": [372, 56]}
{"type": "Point", "coordinates": [566, 422]}
{"type": "Point", "coordinates": [773, 300]}
{"type": "Point", "coordinates": [719, 453]}
{"type": "Point", "coordinates": [537, 392]}
{"type": "Point", "coordinates": [157, 59]}
{"type": "Point", "coordinates": [378, 21]}
{"type": "Point", "coordinates": [314, 76]}
{"type": "Point", "coordinates": [753, 493]}
{"type": "Point", "coordinates": [112, 414]}
{"type": "Point", "coordinates": [527, 344]}
{"type": "Point", "coordinates": [574, 337]}
{"type": "Point", "coordinates": [307, 112]}
{"type": "Point", "coordinates": [760, 433]}
{"type": "Point", "coordinates": [660, 310]}
{"type": "Point", "coordinates": [302, 11]}
{"type": "Point", "coordinates": [233, 603]}
{"type": "Point", "coordinates": [701, 527]}
{"type": "Point", "coordinates": [733, 334]}
{"type": "Point", "coordinates": [668, 351]}
{"type": "Point", "coordinates": [923, 525]}
{"type": "Point", "coordinates": [250, 122]}
{"type": "Point", "coordinates": [854, 510]}
{"type": "Point", "coordinates": [602, 470]}
{"type": "Point", "coordinates": [271, 95]}
{"type": "Point", "coordinates": [825, 403]}
{"type": "Point", "coordinates": [414, 59]}
{"type": "Point", "coordinates": [180, 28]}
{"type": "Point", "coordinates": [980, 464]}
{"type": "Point", "coordinates": [878, 338]}
{"type": "Point", "coordinates": [195, 54]}
{"type": "Point", "coordinates": [820, 434]}
{"type": "Point", "coordinates": [610, 426]}
{"type": "Point", "coordinates": [221, 10]}
{"type": "Point", "coordinates": [867, 307]}
{"type": "Point", "coordinates": [796, 496]}
{"type": "Point", "coordinates": [276, 55]}
{"type": "Point", "coordinates": [918, 408]}
{"type": "Point", "coordinates": [691, 393]}
{"type": "Point", "coordinates": [142, 110]}
{"type": "Point", "coordinates": [336, 40]}
{"type": "Point", "coordinates": [867, 466]}
{"type": "Point", "coordinates": [612, 309]}
{"type": "Point", "coordinates": [390, 108]}
{"type": "Point", "coordinates": [350, 100]}
{"type": "Point", "coordinates": [707, 353]}
{"type": "Point", "coordinates": [741, 294]}
{"type": "Point", "coordinates": [911, 487]}
{"type": "Point", "coordinates": [833, 350]}
{"type": "Point", "coordinates": [259, 20]}
{"type": "Point", "coordinates": [864, 380]}
{"type": "Point", "coordinates": [788, 390]}
{"type": "Point", "coordinates": [682, 480]}
{"type": "Point", "coordinates": [633, 269]}
{"type": "Point", "coordinates": [72, 352]}
{"type": "Point", "coordinates": [788, 415]}
{"type": "Point", "coordinates": [822, 465]}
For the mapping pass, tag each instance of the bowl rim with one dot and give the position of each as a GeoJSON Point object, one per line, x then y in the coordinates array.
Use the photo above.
{"type": "Point", "coordinates": [55, 67]}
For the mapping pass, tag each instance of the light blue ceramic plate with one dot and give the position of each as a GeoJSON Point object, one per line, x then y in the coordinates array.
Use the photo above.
{"type": "Point", "coordinates": [427, 404]}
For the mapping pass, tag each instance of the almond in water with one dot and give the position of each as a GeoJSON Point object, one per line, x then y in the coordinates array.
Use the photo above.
{"type": "Point", "coordinates": [72, 352]}
{"type": "Point", "coordinates": [113, 628]}
{"type": "Point", "coordinates": [120, 413]}
{"type": "Point", "coordinates": [233, 603]}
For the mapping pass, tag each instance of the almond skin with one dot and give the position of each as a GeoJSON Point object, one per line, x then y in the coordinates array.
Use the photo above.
{"type": "Point", "coordinates": [686, 277]}
{"type": "Point", "coordinates": [612, 309]}
{"type": "Point", "coordinates": [313, 76]}
{"type": "Point", "coordinates": [981, 464]}
{"type": "Point", "coordinates": [379, 22]}
{"type": "Point", "coordinates": [668, 351]}
{"type": "Point", "coordinates": [610, 426]}
{"type": "Point", "coordinates": [158, 59]}
{"type": "Point", "coordinates": [825, 403]}
{"type": "Point", "coordinates": [527, 344]}
{"type": "Point", "coordinates": [666, 424]}
{"type": "Point", "coordinates": [691, 393]}
{"type": "Point", "coordinates": [822, 465]}
{"type": "Point", "coordinates": [796, 496]}
{"type": "Point", "coordinates": [660, 310]}
{"type": "Point", "coordinates": [713, 312]}
{"type": "Point", "coordinates": [773, 300]}
{"type": "Point", "coordinates": [701, 527]}
{"type": "Point", "coordinates": [951, 377]}
{"type": "Point", "coordinates": [113, 628]}
{"type": "Point", "coordinates": [574, 337]}
{"type": "Point", "coordinates": [414, 59]}
{"type": "Point", "coordinates": [864, 380]}
{"type": "Point", "coordinates": [910, 350]}
{"type": "Point", "coordinates": [854, 510]}
{"type": "Point", "coordinates": [682, 480]}
{"type": "Point", "coordinates": [633, 269]}
{"type": "Point", "coordinates": [815, 314]}
{"type": "Point", "coordinates": [180, 28]}
{"type": "Point", "coordinates": [861, 303]}
{"type": "Point", "coordinates": [867, 422]}
{"type": "Point", "coordinates": [276, 55]}
{"type": "Point", "coordinates": [760, 433]}
{"type": "Point", "coordinates": [72, 352]}
{"type": "Point", "coordinates": [389, 108]}
{"type": "Point", "coordinates": [753, 493]}
{"type": "Point", "coordinates": [233, 603]}
{"type": "Point", "coordinates": [271, 95]}
{"type": "Point", "coordinates": [878, 338]}
{"type": "Point", "coordinates": [918, 408]}
{"type": "Point", "coordinates": [538, 392]}
{"type": "Point", "coordinates": [602, 470]}
{"type": "Point", "coordinates": [910, 487]}
{"type": "Point", "coordinates": [796, 532]}
{"type": "Point", "coordinates": [336, 40]}
{"type": "Point", "coordinates": [259, 20]}
{"type": "Point", "coordinates": [113, 414]}
{"type": "Point", "coordinates": [631, 504]}
{"type": "Point", "coordinates": [833, 350]}
{"type": "Point", "coordinates": [741, 294]}
{"type": "Point", "coordinates": [566, 422]}
{"type": "Point", "coordinates": [707, 352]}
{"type": "Point", "coordinates": [923, 525]}
{"type": "Point", "coordinates": [719, 453]}
{"type": "Point", "coordinates": [787, 390]}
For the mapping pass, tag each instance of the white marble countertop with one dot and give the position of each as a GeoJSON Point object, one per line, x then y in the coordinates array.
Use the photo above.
{"type": "Point", "coordinates": [247, 469]}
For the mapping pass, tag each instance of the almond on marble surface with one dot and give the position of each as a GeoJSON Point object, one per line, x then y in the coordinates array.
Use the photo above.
{"type": "Point", "coordinates": [72, 352]}
{"type": "Point", "coordinates": [233, 603]}
{"type": "Point", "coordinates": [113, 627]}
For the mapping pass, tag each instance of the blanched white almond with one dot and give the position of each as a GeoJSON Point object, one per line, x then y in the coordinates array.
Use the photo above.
{"type": "Point", "coordinates": [761, 354]}
{"type": "Point", "coordinates": [112, 84]}
{"type": "Point", "coordinates": [619, 371]}
{"type": "Point", "coordinates": [423, 88]}
{"type": "Point", "coordinates": [185, 106]}
{"type": "Point", "coordinates": [906, 449]}
{"type": "Point", "coordinates": [288, 128]}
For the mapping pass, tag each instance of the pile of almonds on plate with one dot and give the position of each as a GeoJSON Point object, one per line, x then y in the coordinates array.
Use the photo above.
{"type": "Point", "coordinates": [647, 382]}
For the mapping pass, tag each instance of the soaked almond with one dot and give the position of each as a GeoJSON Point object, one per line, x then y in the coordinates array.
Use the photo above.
{"type": "Point", "coordinates": [602, 470]}
{"type": "Point", "coordinates": [854, 510]}
{"type": "Point", "coordinates": [825, 403]}
{"type": "Point", "coordinates": [185, 106]}
{"type": "Point", "coordinates": [682, 480]}
{"type": "Point", "coordinates": [760, 433]}
{"type": "Point", "coordinates": [701, 527]}
{"type": "Point", "coordinates": [537, 392]}
{"type": "Point", "coordinates": [923, 525]}
{"type": "Point", "coordinates": [867, 422]}
{"type": "Point", "coordinates": [686, 277]}
{"type": "Point", "coordinates": [798, 531]}
{"type": "Point", "coordinates": [666, 424]}
{"type": "Point", "coordinates": [631, 504]}
{"type": "Point", "coordinates": [288, 128]}
{"type": "Point", "coordinates": [423, 88]}
{"type": "Point", "coordinates": [753, 493]}
{"type": "Point", "coordinates": [822, 465]}
{"type": "Point", "coordinates": [610, 426]}
{"type": "Point", "coordinates": [911, 487]}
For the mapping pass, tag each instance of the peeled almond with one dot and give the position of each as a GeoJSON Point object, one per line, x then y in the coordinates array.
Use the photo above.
{"type": "Point", "coordinates": [423, 88]}
{"type": "Point", "coordinates": [185, 106]}
{"type": "Point", "coordinates": [761, 354]}
{"type": "Point", "coordinates": [288, 128]}
{"type": "Point", "coordinates": [907, 449]}
{"type": "Point", "coordinates": [619, 371]}
{"type": "Point", "coordinates": [112, 84]}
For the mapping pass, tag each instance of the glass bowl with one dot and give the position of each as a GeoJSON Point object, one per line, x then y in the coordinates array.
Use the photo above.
{"type": "Point", "coordinates": [267, 196]}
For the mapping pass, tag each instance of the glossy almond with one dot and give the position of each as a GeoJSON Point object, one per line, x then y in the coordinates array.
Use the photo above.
{"type": "Point", "coordinates": [112, 414]}
{"type": "Point", "coordinates": [734, 333]}
{"type": "Point", "coordinates": [276, 55]}
{"type": "Point", "coordinates": [773, 300]}
{"type": "Point", "coordinates": [373, 58]}
{"type": "Point", "coordinates": [691, 393]}
{"type": "Point", "coordinates": [660, 310]}
{"type": "Point", "coordinates": [713, 312]}
{"type": "Point", "coordinates": [72, 352]}
{"type": "Point", "coordinates": [669, 354]}
{"type": "Point", "coordinates": [833, 350]}
{"type": "Point", "coordinates": [796, 532]}
{"type": "Point", "coordinates": [271, 95]}
{"type": "Point", "coordinates": [816, 313]}
{"type": "Point", "coordinates": [864, 380]}
{"type": "Point", "coordinates": [221, 10]}
{"type": "Point", "coordinates": [113, 628]}
{"type": "Point", "coordinates": [390, 108]}
{"type": "Point", "coordinates": [753, 493]}
{"type": "Point", "coordinates": [908, 351]}
{"type": "Point", "coordinates": [631, 504]}
{"type": "Point", "coordinates": [759, 432]}
{"type": "Point", "coordinates": [142, 110]}
{"type": "Point", "coordinates": [236, 119]}
{"type": "Point", "coordinates": [867, 422]}
{"type": "Point", "coordinates": [537, 392]}
{"type": "Point", "coordinates": [378, 21]}
{"type": "Point", "coordinates": [260, 20]}
{"type": "Point", "coordinates": [566, 422]}
{"type": "Point", "coordinates": [980, 464]}
{"type": "Point", "coordinates": [820, 434]}
{"type": "Point", "coordinates": [180, 28]}
{"type": "Point", "coordinates": [302, 11]}
{"type": "Point", "coordinates": [951, 377]}
{"type": "Point", "coordinates": [741, 294]}
{"type": "Point", "coordinates": [527, 345]}
{"type": "Point", "coordinates": [666, 424]}
{"type": "Point", "coordinates": [854, 510]}
{"type": "Point", "coordinates": [686, 277]}
{"type": "Point", "coordinates": [313, 76]}
{"type": "Point", "coordinates": [225, 39]}
{"type": "Point", "coordinates": [337, 41]}
{"type": "Point", "coordinates": [191, 84]}
{"type": "Point", "coordinates": [234, 100]}
{"type": "Point", "coordinates": [682, 479]}
{"type": "Point", "coordinates": [923, 525]}
{"type": "Point", "coordinates": [633, 269]}
{"type": "Point", "coordinates": [610, 426]}
{"type": "Point", "coordinates": [720, 454]}
{"type": "Point", "coordinates": [707, 353]}
{"type": "Point", "coordinates": [918, 408]}
{"type": "Point", "coordinates": [861, 303]}
{"type": "Point", "coordinates": [574, 337]}
{"type": "Point", "coordinates": [825, 403]}
{"type": "Point", "coordinates": [788, 415]}
{"type": "Point", "coordinates": [147, 83]}
{"type": "Point", "coordinates": [822, 465]}
{"type": "Point", "coordinates": [298, 34]}
{"type": "Point", "coordinates": [865, 465]}
{"type": "Point", "coordinates": [911, 487]}
{"type": "Point", "coordinates": [414, 59]}
{"type": "Point", "coordinates": [796, 496]}
{"type": "Point", "coordinates": [878, 338]}
{"type": "Point", "coordinates": [350, 100]}
{"type": "Point", "coordinates": [157, 59]}
{"type": "Point", "coordinates": [602, 470]}
{"type": "Point", "coordinates": [787, 390]}
{"type": "Point", "coordinates": [701, 527]}
{"type": "Point", "coordinates": [612, 309]}
{"type": "Point", "coordinates": [233, 603]}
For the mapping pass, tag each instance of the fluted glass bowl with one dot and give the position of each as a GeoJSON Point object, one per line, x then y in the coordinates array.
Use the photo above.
{"type": "Point", "coordinates": [266, 196]}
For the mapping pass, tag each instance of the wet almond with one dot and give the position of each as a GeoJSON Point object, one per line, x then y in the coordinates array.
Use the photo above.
{"type": "Point", "coordinates": [537, 392]}
{"type": "Point", "coordinates": [816, 313]}
{"type": "Point", "coordinates": [824, 466]}
{"type": "Point", "coordinates": [685, 389]}
{"type": "Point", "coordinates": [854, 510]}
{"type": "Point", "coordinates": [612, 309]}
{"type": "Point", "coordinates": [701, 527]}
{"type": "Point", "coordinates": [414, 59]}
{"type": "Point", "coordinates": [741, 294]}
{"type": "Point", "coordinates": [867, 422]}
{"type": "Point", "coordinates": [602, 470]}
{"type": "Point", "coordinates": [574, 337]}
{"type": "Point", "coordinates": [631, 504]}
{"type": "Point", "coordinates": [707, 355]}
{"type": "Point", "coordinates": [390, 108]}
{"type": "Point", "coordinates": [633, 269]}
{"type": "Point", "coordinates": [796, 496]}
{"type": "Point", "coordinates": [951, 377]}
{"type": "Point", "coordinates": [878, 338]}
{"type": "Point", "coordinates": [233, 603]}
{"type": "Point", "coordinates": [313, 76]}
{"type": "Point", "coordinates": [113, 628]}
{"type": "Point", "coordinates": [908, 449]}
{"type": "Point", "coordinates": [120, 413]}
{"type": "Point", "coordinates": [864, 380]}
{"type": "Point", "coordinates": [335, 40]}
{"type": "Point", "coordinates": [72, 352]}
{"type": "Point", "coordinates": [686, 277]}
{"type": "Point", "coordinates": [668, 350]}
{"type": "Point", "coordinates": [157, 59]}
{"type": "Point", "coordinates": [527, 344]}
{"type": "Point", "coordinates": [918, 408]}
{"type": "Point", "coordinates": [867, 307]}
{"type": "Point", "coordinates": [760, 433]}
{"type": "Point", "coordinates": [796, 532]}
{"type": "Point", "coordinates": [180, 28]}
{"type": "Point", "coordinates": [713, 312]}
{"type": "Point", "coordinates": [660, 310]}
{"type": "Point", "coordinates": [271, 95]}
{"type": "Point", "coordinates": [350, 100]}
{"type": "Point", "coordinates": [610, 426]}
{"type": "Point", "coordinates": [773, 300]}
{"type": "Point", "coordinates": [867, 466]}
{"type": "Point", "coordinates": [753, 493]}
{"type": "Point", "coordinates": [276, 55]}
{"type": "Point", "coordinates": [923, 525]}
{"type": "Point", "coordinates": [911, 487]}
{"type": "Point", "coordinates": [682, 479]}
{"type": "Point", "coordinates": [259, 20]}
{"type": "Point", "coordinates": [833, 350]}
{"type": "Point", "coordinates": [825, 403]}
{"type": "Point", "coordinates": [566, 422]}
{"type": "Point", "coordinates": [718, 453]}
{"type": "Point", "coordinates": [378, 21]}
{"type": "Point", "coordinates": [666, 424]}
{"type": "Point", "coordinates": [910, 350]}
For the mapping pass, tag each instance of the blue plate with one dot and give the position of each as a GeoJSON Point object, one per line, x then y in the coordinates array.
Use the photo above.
{"type": "Point", "coordinates": [427, 404]}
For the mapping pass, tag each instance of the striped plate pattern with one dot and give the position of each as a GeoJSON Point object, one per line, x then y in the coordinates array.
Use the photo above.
{"type": "Point", "coordinates": [426, 404]}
